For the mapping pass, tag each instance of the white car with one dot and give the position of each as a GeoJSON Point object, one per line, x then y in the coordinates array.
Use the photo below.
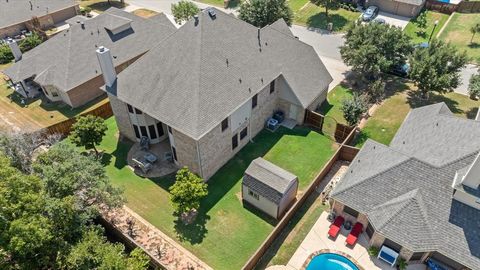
{"type": "Point", "coordinates": [370, 13]}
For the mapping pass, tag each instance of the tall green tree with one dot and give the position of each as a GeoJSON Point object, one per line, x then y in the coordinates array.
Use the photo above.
{"type": "Point", "coordinates": [436, 68]}
{"type": "Point", "coordinates": [66, 172]}
{"type": "Point", "coordinates": [261, 13]}
{"type": "Point", "coordinates": [184, 11]}
{"type": "Point", "coordinates": [187, 191]}
{"type": "Point", "coordinates": [375, 48]}
{"type": "Point", "coordinates": [474, 86]}
{"type": "Point", "coordinates": [88, 132]}
{"type": "Point", "coordinates": [474, 29]}
{"type": "Point", "coordinates": [421, 22]}
{"type": "Point", "coordinates": [328, 4]}
{"type": "Point", "coordinates": [30, 42]}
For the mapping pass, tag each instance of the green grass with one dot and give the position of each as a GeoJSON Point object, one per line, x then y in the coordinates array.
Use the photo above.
{"type": "Point", "coordinates": [100, 6]}
{"type": "Point", "coordinates": [225, 233]}
{"type": "Point", "coordinates": [412, 28]}
{"type": "Point", "coordinates": [387, 119]}
{"type": "Point", "coordinates": [314, 16]}
{"type": "Point", "coordinates": [332, 106]}
{"type": "Point", "coordinates": [295, 5]}
{"type": "Point", "coordinates": [458, 33]}
{"type": "Point", "coordinates": [219, 3]}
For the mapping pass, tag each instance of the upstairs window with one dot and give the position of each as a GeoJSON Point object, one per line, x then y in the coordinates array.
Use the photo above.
{"type": "Point", "coordinates": [350, 211]}
{"type": "Point", "coordinates": [137, 111]}
{"type": "Point", "coordinates": [160, 129]}
{"type": "Point", "coordinates": [130, 108]}
{"type": "Point", "coordinates": [254, 101]}
{"type": "Point", "coordinates": [243, 133]}
{"type": "Point", "coordinates": [225, 124]}
{"type": "Point", "coordinates": [234, 141]}
{"type": "Point", "coordinates": [272, 86]}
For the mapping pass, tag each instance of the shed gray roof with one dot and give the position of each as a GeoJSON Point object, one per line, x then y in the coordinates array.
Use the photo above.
{"type": "Point", "coordinates": [412, 2]}
{"type": "Point", "coordinates": [68, 59]}
{"type": "Point", "coordinates": [267, 179]}
{"type": "Point", "coordinates": [406, 189]}
{"type": "Point", "coordinates": [17, 11]}
{"type": "Point", "coordinates": [204, 71]}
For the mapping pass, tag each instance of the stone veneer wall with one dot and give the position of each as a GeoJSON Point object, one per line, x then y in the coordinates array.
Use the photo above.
{"type": "Point", "coordinates": [186, 149]}
{"type": "Point", "coordinates": [121, 117]}
{"type": "Point", "coordinates": [216, 145]}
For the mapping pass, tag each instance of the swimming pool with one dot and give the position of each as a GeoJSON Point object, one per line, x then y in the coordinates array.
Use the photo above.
{"type": "Point", "coordinates": [331, 261]}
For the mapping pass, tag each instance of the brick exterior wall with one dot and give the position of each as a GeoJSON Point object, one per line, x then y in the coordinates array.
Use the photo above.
{"type": "Point", "coordinates": [377, 240]}
{"type": "Point", "coordinates": [406, 254]}
{"type": "Point", "coordinates": [46, 21]}
{"type": "Point", "coordinates": [186, 149]}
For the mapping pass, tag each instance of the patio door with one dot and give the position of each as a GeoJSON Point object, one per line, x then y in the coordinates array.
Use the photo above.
{"type": "Point", "coordinates": [292, 112]}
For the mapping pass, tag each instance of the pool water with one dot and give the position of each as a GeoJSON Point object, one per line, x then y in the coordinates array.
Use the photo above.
{"type": "Point", "coordinates": [331, 261]}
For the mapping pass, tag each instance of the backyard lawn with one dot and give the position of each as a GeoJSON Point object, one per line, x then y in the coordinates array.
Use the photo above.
{"type": "Point", "coordinates": [458, 33]}
{"type": "Point", "coordinates": [311, 15]}
{"type": "Point", "coordinates": [432, 16]}
{"type": "Point", "coordinates": [331, 106]}
{"type": "Point", "coordinates": [219, 3]}
{"type": "Point", "coordinates": [100, 6]}
{"type": "Point", "coordinates": [145, 13]}
{"type": "Point", "coordinates": [386, 120]}
{"type": "Point", "coordinates": [225, 234]}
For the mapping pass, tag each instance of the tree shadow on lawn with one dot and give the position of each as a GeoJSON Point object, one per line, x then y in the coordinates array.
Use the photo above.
{"type": "Point", "coordinates": [472, 113]}
{"type": "Point", "coordinates": [415, 100]}
{"type": "Point", "coordinates": [192, 233]}
{"type": "Point", "coordinates": [319, 20]}
{"type": "Point", "coordinates": [102, 6]}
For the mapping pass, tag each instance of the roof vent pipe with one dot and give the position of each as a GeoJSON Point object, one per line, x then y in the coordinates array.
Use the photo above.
{"type": "Point", "coordinates": [17, 53]}
{"type": "Point", "coordinates": [82, 24]}
{"type": "Point", "coordinates": [195, 17]}
{"type": "Point", "coordinates": [106, 64]}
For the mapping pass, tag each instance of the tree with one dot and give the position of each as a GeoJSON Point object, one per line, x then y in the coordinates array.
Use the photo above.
{"type": "Point", "coordinates": [261, 13]}
{"type": "Point", "coordinates": [436, 68]}
{"type": "Point", "coordinates": [376, 91]}
{"type": "Point", "coordinates": [6, 55]}
{"type": "Point", "coordinates": [184, 11]}
{"type": "Point", "coordinates": [187, 192]}
{"type": "Point", "coordinates": [30, 42]}
{"type": "Point", "coordinates": [421, 22]}
{"type": "Point", "coordinates": [354, 108]}
{"type": "Point", "coordinates": [474, 86]}
{"type": "Point", "coordinates": [328, 4]}
{"type": "Point", "coordinates": [475, 29]}
{"type": "Point", "coordinates": [88, 131]}
{"type": "Point", "coordinates": [66, 172]}
{"type": "Point", "coordinates": [374, 48]}
{"type": "Point", "coordinates": [95, 252]}
{"type": "Point", "coordinates": [22, 148]}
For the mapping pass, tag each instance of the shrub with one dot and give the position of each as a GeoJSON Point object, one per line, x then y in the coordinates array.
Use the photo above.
{"type": "Point", "coordinates": [30, 42]}
{"type": "Point", "coordinates": [402, 264]}
{"type": "Point", "coordinates": [474, 86]}
{"type": "Point", "coordinates": [373, 251]}
{"type": "Point", "coordinates": [354, 108]}
{"type": "Point", "coordinates": [6, 55]}
{"type": "Point", "coordinates": [376, 91]}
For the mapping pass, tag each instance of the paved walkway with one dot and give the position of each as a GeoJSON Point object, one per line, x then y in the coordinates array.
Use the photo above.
{"type": "Point", "coordinates": [465, 75]}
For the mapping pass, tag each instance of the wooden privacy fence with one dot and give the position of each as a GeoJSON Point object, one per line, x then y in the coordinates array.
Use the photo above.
{"type": "Point", "coordinates": [463, 7]}
{"type": "Point", "coordinates": [104, 111]}
{"type": "Point", "coordinates": [344, 152]}
{"type": "Point", "coordinates": [316, 121]}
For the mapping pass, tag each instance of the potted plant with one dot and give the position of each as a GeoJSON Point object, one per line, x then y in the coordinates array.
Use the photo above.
{"type": "Point", "coordinates": [347, 225]}
{"type": "Point", "coordinates": [373, 251]}
{"type": "Point", "coordinates": [401, 264]}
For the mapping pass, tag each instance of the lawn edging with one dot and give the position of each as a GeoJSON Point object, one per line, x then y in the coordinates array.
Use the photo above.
{"type": "Point", "coordinates": [445, 25]}
{"type": "Point", "coordinates": [343, 152]}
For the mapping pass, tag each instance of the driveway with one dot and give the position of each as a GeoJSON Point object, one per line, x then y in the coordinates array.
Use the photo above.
{"type": "Point", "coordinates": [393, 19]}
{"type": "Point", "coordinates": [327, 46]}
{"type": "Point", "coordinates": [465, 75]}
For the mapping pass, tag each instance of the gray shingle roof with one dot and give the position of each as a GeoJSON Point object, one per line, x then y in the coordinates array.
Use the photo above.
{"type": "Point", "coordinates": [406, 189]}
{"type": "Point", "coordinates": [206, 70]}
{"type": "Point", "coordinates": [68, 59]}
{"type": "Point", "coordinates": [267, 179]}
{"type": "Point", "coordinates": [18, 11]}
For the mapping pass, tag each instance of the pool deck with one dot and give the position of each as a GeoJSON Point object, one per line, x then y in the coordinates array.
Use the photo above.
{"type": "Point", "coordinates": [317, 239]}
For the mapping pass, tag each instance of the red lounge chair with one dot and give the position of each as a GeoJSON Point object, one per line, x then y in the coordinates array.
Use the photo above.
{"type": "Point", "coordinates": [335, 227]}
{"type": "Point", "coordinates": [353, 236]}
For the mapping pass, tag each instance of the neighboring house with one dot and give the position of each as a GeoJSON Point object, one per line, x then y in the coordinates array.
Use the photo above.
{"type": "Point", "coordinates": [269, 187]}
{"type": "Point", "coordinates": [407, 8]}
{"type": "Point", "coordinates": [66, 68]}
{"type": "Point", "coordinates": [15, 15]}
{"type": "Point", "coordinates": [419, 196]}
{"type": "Point", "coordinates": [210, 87]}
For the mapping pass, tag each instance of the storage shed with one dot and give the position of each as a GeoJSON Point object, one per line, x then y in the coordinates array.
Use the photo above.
{"type": "Point", "coordinates": [406, 8]}
{"type": "Point", "coordinates": [269, 187]}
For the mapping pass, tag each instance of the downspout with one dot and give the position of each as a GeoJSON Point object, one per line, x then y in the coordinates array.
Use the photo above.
{"type": "Point", "coordinates": [199, 158]}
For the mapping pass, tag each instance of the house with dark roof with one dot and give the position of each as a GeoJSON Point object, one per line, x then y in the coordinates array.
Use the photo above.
{"type": "Point", "coordinates": [65, 67]}
{"type": "Point", "coordinates": [269, 187]}
{"type": "Point", "coordinates": [210, 87]}
{"type": "Point", "coordinates": [16, 15]}
{"type": "Point", "coordinates": [419, 196]}
{"type": "Point", "coordinates": [406, 8]}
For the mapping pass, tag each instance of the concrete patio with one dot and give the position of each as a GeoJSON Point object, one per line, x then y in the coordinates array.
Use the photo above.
{"type": "Point", "coordinates": [161, 167]}
{"type": "Point", "coordinates": [317, 239]}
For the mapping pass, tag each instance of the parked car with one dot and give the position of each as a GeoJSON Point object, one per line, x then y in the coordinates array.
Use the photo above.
{"type": "Point", "coordinates": [370, 13]}
{"type": "Point", "coordinates": [400, 70]}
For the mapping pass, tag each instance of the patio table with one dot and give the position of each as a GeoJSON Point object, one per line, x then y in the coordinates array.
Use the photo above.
{"type": "Point", "coordinates": [150, 157]}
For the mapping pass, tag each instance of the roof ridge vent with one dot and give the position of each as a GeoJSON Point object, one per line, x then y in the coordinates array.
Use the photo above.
{"type": "Point", "coordinates": [211, 12]}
